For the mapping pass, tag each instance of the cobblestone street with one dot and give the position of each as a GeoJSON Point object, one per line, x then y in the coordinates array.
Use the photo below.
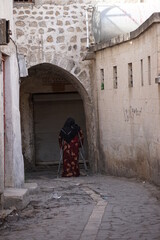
{"type": "Point", "coordinates": [86, 208]}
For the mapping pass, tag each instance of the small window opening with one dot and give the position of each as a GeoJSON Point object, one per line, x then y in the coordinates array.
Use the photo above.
{"type": "Point", "coordinates": [29, 1]}
{"type": "Point", "coordinates": [102, 78]}
{"type": "Point", "coordinates": [130, 75]}
{"type": "Point", "coordinates": [115, 82]}
{"type": "Point", "coordinates": [149, 70]}
{"type": "Point", "coordinates": [142, 82]}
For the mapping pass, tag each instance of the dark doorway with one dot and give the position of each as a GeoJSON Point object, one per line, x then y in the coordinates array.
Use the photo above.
{"type": "Point", "coordinates": [48, 96]}
{"type": "Point", "coordinates": [50, 112]}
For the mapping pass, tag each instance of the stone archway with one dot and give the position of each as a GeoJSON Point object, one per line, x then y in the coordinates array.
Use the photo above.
{"type": "Point", "coordinates": [46, 78]}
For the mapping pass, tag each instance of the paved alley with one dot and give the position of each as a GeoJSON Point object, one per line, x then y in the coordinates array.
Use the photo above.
{"type": "Point", "coordinates": [86, 208]}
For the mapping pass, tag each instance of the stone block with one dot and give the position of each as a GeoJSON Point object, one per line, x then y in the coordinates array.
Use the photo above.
{"type": "Point", "coordinates": [19, 32]}
{"type": "Point", "coordinates": [83, 75]}
{"type": "Point", "coordinates": [41, 31]}
{"type": "Point", "coordinates": [49, 39]}
{"type": "Point", "coordinates": [22, 17]}
{"type": "Point", "coordinates": [73, 39]}
{"type": "Point", "coordinates": [42, 24]}
{"type": "Point", "coordinates": [49, 12]}
{"type": "Point", "coordinates": [59, 23]}
{"type": "Point", "coordinates": [57, 13]}
{"type": "Point", "coordinates": [67, 23]}
{"type": "Point", "coordinates": [61, 30]}
{"type": "Point", "coordinates": [66, 8]}
{"type": "Point", "coordinates": [51, 29]}
{"type": "Point", "coordinates": [70, 29]}
{"type": "Point", "coordinates": [33, 24]}
{"type": "Point", "coordinates": [78, 29]}
{"type": "Point", "coordinates": [20, 24]}
{"type": "Point", "coordinates": [39, 18]}
{"type": "Point", "coordinates": [27, 12]}
{"type": "Point", "coordinates": [15, 197]}
{"type": "Point", "coordinates": [60, 39]}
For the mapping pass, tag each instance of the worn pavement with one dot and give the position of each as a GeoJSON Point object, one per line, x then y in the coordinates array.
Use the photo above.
{"type": "Point", "coordinates": [94, 207]}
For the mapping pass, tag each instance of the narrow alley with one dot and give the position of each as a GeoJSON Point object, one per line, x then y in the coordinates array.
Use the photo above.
{"type": "Point", "coordinates": [80, 74]}
{"type": "Point", "coordinates": [94, 207]}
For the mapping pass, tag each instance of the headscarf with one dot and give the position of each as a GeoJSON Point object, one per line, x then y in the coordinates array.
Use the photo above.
{"type": "Point", "coordinates": [69, 130]}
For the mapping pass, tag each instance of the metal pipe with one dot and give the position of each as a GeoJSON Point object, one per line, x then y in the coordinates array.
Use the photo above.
{"type": "Point", "coordinates": [87, 28]}
{"type": "Point", "coordinates": [87, 25]}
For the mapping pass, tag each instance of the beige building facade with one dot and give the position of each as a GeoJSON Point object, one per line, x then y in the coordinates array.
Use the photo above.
{"type": "Point", "coordinates": [127, 96]}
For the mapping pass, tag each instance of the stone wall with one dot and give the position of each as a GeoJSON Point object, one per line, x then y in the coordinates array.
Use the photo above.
{"type": "Point", "coordinates": [54, 33]}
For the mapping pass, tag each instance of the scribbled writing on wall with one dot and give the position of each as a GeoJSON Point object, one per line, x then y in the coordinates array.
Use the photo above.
{"type": "Point", "coordinates": [131, 112]}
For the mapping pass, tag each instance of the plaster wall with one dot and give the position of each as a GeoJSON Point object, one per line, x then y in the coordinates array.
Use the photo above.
{"type": "Point", "coordinates": [129, 117]}
{"type": "Point", "coordinates": [14, 166]}
{"type": "Point", "coordinates": [1, 132]}
{"type": "Point", "coordinates": [7, 15]}
{"type": "Point", "coordinates": [13, 160]}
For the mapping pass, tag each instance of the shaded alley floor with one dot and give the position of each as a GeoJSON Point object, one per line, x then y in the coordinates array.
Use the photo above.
{"type": "Point", "coordinates": [94, 207]}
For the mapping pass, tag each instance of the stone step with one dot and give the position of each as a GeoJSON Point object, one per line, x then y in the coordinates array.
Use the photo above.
{"type": "Point", "coordinates": [17, 197]}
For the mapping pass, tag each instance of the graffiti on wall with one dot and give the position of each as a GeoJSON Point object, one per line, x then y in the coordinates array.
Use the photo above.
{"type": "Point", "coordinates": [130, 113]}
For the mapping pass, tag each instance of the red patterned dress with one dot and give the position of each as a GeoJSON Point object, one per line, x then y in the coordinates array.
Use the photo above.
{"type": "Point", "coordinates": [71, 155]}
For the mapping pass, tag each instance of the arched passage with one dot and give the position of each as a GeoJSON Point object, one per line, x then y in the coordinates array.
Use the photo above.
{"type": "Point", "coordinates": [48, 95]}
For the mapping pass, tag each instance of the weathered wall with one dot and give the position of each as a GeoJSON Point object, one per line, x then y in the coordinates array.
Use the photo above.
{"type": "Point", "coordinates": [14, 166]}
{"type": "Point", "coordinates": [1, 131]}
{"type": "Point", "coordinates": [3, 14]}
{"type": "Point", "coordinates": [55, 32]}
{"type": "Point", "coordinates": [13, 160]}
{"type": "Point", "coordinates": [129, 117]}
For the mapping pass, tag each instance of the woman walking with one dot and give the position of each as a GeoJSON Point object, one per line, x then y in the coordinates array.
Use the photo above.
{"type": "Point", "coordinates": [70, 140]}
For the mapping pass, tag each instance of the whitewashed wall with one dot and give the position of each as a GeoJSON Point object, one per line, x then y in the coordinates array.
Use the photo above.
{"type": "Point", "coordinates": [1, 133]}
{"type": "Point", "coordinates": [14, 166]}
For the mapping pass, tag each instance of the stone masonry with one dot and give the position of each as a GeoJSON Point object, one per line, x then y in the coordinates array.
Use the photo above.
{"type": "Point", "coordinates": [54, 33]}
